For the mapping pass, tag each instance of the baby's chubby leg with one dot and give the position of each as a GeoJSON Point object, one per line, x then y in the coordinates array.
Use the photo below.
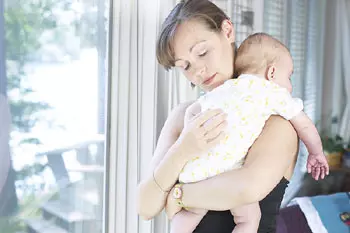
{"type": "Point", "coordinates": [185, 221]}
{"type": "Point", "coordinates": [247, 218]}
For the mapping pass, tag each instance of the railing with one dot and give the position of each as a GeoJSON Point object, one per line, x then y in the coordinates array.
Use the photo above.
{"type": "Point", "coordinates": [78, 206]}
{"type": "Point", "coordinates": [88, 162]}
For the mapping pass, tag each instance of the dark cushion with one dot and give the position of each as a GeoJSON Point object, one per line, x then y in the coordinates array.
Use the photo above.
{"type": "Point", "coordinates": [291, 220]}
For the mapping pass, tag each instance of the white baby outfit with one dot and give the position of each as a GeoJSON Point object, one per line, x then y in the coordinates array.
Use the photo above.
{"type": "Point", "coordinates": [248, 101]}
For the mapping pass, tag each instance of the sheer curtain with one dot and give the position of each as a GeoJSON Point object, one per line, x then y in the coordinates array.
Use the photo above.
{"type": "Point", "coordinates": [343, 13]}
{"type": "Point", "coordinates": [333, 88]}
{"type": "Point", "coordinates": [142, 96]}
{"type": "Point", "coordinates": [132, 110]}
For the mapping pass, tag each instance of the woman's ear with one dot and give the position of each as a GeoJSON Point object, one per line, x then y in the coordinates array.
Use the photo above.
{"type": "Point", "coordinates": [271, 72]}
{"type": "Point", "coordinates": [228, 30]}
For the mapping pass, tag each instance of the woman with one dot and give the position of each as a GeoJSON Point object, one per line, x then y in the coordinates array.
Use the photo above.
{"type": "Point", "coordinates": [198, 38]}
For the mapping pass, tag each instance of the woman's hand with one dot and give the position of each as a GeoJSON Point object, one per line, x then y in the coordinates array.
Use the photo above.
{"type": "Point", "coordinates": [202, 131]}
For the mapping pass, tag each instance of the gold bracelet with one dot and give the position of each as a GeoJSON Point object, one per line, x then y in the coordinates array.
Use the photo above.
{"type": "Point", "coordinates": [155, 181]}
{"type": "Point", "coordinates": [178, 194]}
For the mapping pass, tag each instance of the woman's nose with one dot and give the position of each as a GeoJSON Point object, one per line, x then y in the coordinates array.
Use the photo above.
{"type": "Point", "coordinates": [201, 71]}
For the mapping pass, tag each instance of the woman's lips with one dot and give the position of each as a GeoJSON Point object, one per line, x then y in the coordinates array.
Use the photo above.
{"type": "Point", "coordinates": [209, 80]}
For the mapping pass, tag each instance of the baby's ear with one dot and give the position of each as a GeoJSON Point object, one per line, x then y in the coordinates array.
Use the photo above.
{"type": "Point", "coordinates": [271, 72]}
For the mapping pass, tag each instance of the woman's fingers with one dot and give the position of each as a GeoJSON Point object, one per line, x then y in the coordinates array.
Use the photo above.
{"type": "Point", "coordinates": [205, 116]}
{"type": "Point", "coordinates": [213, 133]}
{"type": "Point", "coordinates": [210, 126]}
{"type": "Point", "coordinates": [204, 130]}
{"type": "Point", "coordinates": [215, 141]}
{"type": "Point", "coordinates": [213, 128]}
{"type": "Point", "coordinates": [214, 122]}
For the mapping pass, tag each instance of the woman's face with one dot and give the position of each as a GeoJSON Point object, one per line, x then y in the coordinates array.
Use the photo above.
{"type": "Point", "coordinates": [205, 57]}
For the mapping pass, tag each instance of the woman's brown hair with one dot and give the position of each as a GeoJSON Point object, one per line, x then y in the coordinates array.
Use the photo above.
{"type": "Point", "coordinates": [203, 10]}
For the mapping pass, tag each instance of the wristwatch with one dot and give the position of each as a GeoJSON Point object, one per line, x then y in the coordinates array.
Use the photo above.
{"type": "Point", "coordinates": [177, 195]}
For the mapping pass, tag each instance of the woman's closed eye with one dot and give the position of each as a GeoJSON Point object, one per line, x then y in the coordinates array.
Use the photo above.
{"type": "Point", "coordinates": [187, 66]}
{"type": "Point", "coordinates": [202, 54]}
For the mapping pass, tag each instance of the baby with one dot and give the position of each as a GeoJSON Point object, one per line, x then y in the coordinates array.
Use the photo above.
{"type": "Point", "coordinates": [263, 88]}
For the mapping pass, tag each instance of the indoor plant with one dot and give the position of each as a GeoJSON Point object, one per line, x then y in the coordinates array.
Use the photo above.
{"type": "Point", "coordinates": [346, 156]}
{"type": "Point", "coordinates": [333, 148]}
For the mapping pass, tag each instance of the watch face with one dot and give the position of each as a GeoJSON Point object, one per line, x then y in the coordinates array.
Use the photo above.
{"type": "Point", "coordinates": [177, 193]}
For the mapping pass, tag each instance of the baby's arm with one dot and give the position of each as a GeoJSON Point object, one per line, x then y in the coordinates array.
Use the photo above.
{"type": "Point", "coordinates": [307, 132]}
{"type": "Point", "coordinates": [309, 135]}
{"type": "Point", "coordinates": [282, 103]}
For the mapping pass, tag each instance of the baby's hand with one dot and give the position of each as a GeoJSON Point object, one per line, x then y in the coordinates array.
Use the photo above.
{"type": "Point", "coordinates": [317, 165]}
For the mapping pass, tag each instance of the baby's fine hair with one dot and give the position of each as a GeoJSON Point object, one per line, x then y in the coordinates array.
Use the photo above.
{"type": "Point", "coordinates": [257, 52]}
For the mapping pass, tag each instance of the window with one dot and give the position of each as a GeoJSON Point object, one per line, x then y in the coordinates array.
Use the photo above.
{"type": "Point", "coordinates": [274, 18]}
{"type": "Point", "coordinates": [241, 14]}
{"type": "Point", "coordinates": [297, 38]}
{"type": "Point", "coordinates": [313, 54]}
{"type": "Point", "coordinates": [55, 81]}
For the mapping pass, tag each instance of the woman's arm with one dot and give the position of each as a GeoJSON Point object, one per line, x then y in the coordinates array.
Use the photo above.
{"type": "Point", "coordinates": [151, 198]}
{"type": "Point", "coordinates": [177, 144]}
{"type": "Point", "coordinates": [268, 159]}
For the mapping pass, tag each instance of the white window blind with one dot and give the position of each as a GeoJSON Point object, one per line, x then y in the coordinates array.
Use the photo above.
{"type": "Point", "coordinates": [297, 38]}
{"type": "Point", "coordinates": [297, 24]}
{"type": "Point", "coordinates": [132, 105]}
{"type": "Point", "coordinates": [274, 19]}
{"type": "Point", "coordinates": [241, 15]}
{"type": "Point", "coordinates": [313, 66]}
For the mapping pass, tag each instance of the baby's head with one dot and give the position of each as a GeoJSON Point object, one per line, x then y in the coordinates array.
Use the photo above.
{"type": "Point", "coordinates": [267, 57]}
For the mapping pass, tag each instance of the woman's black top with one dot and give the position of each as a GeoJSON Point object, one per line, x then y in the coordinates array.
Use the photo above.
{"type": "Point", "coordinates": [222, 221]}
